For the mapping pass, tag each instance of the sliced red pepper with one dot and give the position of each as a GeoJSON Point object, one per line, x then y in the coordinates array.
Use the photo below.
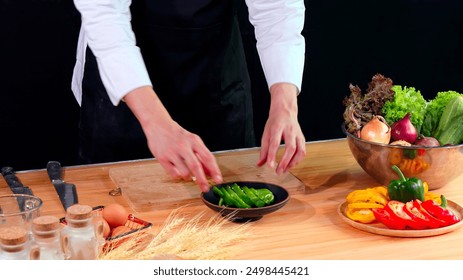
{"type": "Point", "coordinates": [435, 222]}
{"type": "Point", "coordinates": [443, 214]}
{"type": "Point", "coordinates": [396, 209]}
{"type": "Point", "coordinates": [420, 219]}
{"type": "Point", "coordinates": [387, 219]}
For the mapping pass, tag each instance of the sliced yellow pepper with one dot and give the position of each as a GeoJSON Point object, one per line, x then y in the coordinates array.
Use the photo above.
{"type": "Point", "coordinates": [380, 189]}
{"type": "Point", "coordinates": [425, 187]}
{"type": "Point", "coordinates": [359, 205]}
{"type": "Point", "coordinates": [360, 215]}
{"type": "Point", "coordinates": [367, 195]}
{"type": "Point", "coordinates": [433, 196]}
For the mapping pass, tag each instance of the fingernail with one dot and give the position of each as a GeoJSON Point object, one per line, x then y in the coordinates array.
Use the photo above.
{"type": "Point", "coordinates": [205, 188]}
{"type": "Point", "coordinates": [218, 179]}
{"type": "Point", "coordinates": [272, 164]}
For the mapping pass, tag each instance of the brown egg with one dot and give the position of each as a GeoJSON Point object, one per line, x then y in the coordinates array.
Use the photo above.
{"type": "Point", "coordinates": [106, 228]}
{"type": "Point", "coordinates": [115, 214]}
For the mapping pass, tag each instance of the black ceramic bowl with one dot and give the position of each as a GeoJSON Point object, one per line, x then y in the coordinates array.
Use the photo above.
{"type": "Point", "coordinates": [247, 214]}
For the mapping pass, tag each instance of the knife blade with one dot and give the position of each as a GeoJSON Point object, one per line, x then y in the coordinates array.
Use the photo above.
{"type": "Point", "coordinates": [14, 183]}
{"type": "Point", "coordinates": [67, 192]}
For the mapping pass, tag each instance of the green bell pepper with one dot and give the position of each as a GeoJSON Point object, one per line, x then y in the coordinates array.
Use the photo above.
{"type": "Point", "coordinates": [405, 189]}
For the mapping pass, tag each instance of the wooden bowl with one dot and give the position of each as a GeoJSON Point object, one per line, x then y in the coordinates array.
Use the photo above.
{"type": "Point", "coordinates": [247, 214]}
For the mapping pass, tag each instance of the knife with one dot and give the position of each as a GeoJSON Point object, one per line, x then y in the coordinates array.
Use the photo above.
{"type": "Point", "coordinates": [14, 183]}
{"type": "Point", "coordinates": [67, 192]}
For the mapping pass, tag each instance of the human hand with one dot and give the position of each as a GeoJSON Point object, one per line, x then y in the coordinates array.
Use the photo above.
{"type": "Point", "coordinates": [181, 153]}
{"type": "Point", "coordinates": [282, 125]}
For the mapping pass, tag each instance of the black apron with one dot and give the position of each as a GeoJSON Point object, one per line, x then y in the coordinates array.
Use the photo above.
{"type": "Point", "coordinates": [195, 59]}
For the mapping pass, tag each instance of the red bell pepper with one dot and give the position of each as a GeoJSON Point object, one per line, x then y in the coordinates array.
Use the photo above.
{"type": "Point", "coordinates": [435, 222]}
{"type": "Point", "coordinates": [443, 214]}
{"type": "Point", "coordinates": [393, 215]}
{"type": "Point", "coordinates": [421, 219]}
{"type": "Point", "coordinates": [387, 219]}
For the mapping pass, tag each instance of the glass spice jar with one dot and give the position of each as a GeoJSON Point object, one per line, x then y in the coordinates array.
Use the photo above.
{"type": "Point", "coordinates": [80, 232]}
{"type": "Point", "coordinates": [14, 243]}
{"type": "Point", "coordinates": [46, 235]}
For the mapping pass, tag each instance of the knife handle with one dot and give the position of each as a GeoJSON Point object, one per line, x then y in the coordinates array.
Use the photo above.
{"type": "Point", "coordinates": [10, 177]}
{"type": "Point", "coordinates": [54, 170]}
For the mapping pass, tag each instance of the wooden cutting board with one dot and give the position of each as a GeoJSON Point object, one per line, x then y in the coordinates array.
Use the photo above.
{"type": "Point", "coordinates": [147, 187]}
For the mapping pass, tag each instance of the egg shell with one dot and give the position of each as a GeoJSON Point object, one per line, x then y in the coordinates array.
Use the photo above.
{"type": "Point", "coordinates": [115, 214]}
{"type": "Point", "coordinates": [106, 228]}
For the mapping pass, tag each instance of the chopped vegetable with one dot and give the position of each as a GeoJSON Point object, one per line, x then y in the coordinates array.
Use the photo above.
{"type": "Point", "coordinates": [387, 219]}
{"type": "Point", "coordinates": [255, 199]}
{"type": "Point", "coordinates": [438, 198]}
{"type": "Point", "coordinates": [406, 100]}
{"type": "Point", "coordinates": [395, 217]}
{"type": "Point", "coordinates": [439, 212]}
{"type": "Point", "coordinates": [367, 195]}
{"type": "Point", "coordinates": [434, 222]}
{"type": "Point", "coordinates": [360, 203]}
{"type": "Point", "coordinates": [419, 219]}
{"type": "Point", "coordinates": [413, 166]}
{"type": "Point", "coordinates": [243, 197]}
{"type": "Point", "coordinates": [362, 215]}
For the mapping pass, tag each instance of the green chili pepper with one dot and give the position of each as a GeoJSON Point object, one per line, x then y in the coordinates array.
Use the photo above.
{"type": "Point", "coordinates": [255, 200]}
{"type": "Point", "coordinates": [243, 197]}
{"type": "Point", "coordinates": [236, 199]}
{"type": "Point", "coordinates": [266, 195]}
{"type": "Point", "coordinates": [237, 189]}
{"type": "Point", "coordinates": [224, 194]}
{"type": "Point", "coordinates": [405, 189]}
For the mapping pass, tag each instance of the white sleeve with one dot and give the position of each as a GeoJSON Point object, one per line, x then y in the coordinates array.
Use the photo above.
{"type": "Point", "coordinates": [107, 30]}
{"type": "Point", "coordinates": [278, 25]}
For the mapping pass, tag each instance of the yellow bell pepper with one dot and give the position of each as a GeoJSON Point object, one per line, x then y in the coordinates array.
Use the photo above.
{"type": "Point", "coordinates": [362, 205]}
{"type": "Point", "coordinates": [425, 187]}
{"type": "Point", "coordinates": [433, 196]}
{"type": "Point", "coordinates": [361, 215]}
{"type": "Point", "coordinates": [366, 195]}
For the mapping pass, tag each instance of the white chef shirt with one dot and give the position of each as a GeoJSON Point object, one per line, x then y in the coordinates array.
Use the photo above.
{"type": "Point", "coordinates": [107, 30]}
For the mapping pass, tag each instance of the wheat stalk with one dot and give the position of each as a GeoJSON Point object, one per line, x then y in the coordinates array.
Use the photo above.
{"type": "Point", "coordinates": [181, 237]}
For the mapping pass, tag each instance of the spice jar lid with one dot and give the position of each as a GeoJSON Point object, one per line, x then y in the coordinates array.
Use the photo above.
{"type": "Point", "coordinates": [13, 235]}
{"type": "Point", "coordinates": [45, 223]}
{"type": "Point", "coordinates": [79, 212]}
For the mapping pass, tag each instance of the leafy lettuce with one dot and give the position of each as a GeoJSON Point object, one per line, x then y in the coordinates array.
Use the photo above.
{"type": "Point", "coordinates": [434, 111]}
{"type": "Point", "coordinates": [406, 100]}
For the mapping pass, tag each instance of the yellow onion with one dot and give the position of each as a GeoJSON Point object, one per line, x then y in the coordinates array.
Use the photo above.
{"type": "Point", "coordinates": [376, 130]}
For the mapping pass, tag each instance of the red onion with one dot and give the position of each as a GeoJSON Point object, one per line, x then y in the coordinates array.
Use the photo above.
{"type": "Point", "coordinates": [427, 141]}
{"type": "Point", "coordinates": [404, 130]}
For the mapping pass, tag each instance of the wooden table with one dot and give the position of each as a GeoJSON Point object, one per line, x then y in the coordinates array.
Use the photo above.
{"type": "Point", "coordinates": [308, 227]}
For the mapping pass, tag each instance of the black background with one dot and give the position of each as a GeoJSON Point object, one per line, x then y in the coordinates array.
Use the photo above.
{"type": "Point", "coordinates": [416, 43]}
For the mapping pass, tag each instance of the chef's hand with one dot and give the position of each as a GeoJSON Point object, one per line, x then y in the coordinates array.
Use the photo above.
{"type": "Point", "coordinates": [282, 125]}
{"type": "Point", "coordinates": [181, 153]}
